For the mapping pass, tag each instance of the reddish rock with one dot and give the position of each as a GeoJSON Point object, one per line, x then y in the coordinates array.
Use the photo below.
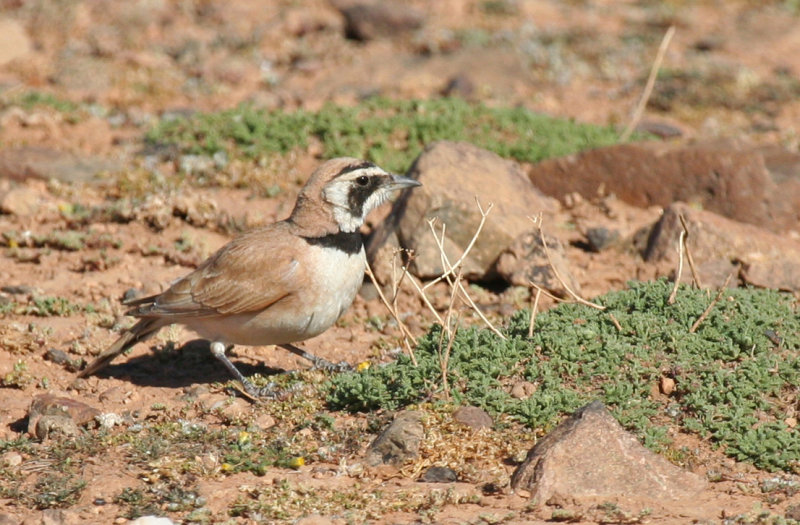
{"type": "Point", "coordinates": [49, 413]}
{"type": "Point", "coordinates": [474, 417]}
{"type": "Point", "coordinates": [718, 244]}
{"type": "Point", "coordinates": [591, 458]}
{"type": "Point", "coordinates": [738, 182]}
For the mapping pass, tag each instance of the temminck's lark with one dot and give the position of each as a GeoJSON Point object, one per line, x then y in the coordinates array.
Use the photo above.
{"type": "Point", "coordinates": [278, 284]}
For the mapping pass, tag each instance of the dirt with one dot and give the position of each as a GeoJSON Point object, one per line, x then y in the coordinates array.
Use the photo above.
{"type": "Point", "coordinates": [582, 60]}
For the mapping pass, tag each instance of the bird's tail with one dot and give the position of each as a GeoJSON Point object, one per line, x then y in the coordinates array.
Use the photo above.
{"type": "Point", "coordinates": [138, 332]}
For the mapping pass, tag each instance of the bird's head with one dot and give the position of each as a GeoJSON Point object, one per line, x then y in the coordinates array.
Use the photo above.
{"type": "Point", "coordinates": [350, 188]}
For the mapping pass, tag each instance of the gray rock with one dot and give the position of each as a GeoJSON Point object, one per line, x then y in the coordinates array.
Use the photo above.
{"type": "Point", "coordinates": [453, 174]}
{"type": "Point", "coordinates": [739, 182]}
{"type": "Point", "coordinates": [717, 244]}
{"type": "Point", "coordinates": [600, 238]}
{"type": "Point", "coordinates": [439, 475]}
{"type": "Point", "coordinates": [45, 163]}
{"type": "Point", "coordinates": [399, 441]}
{"type": "Point", "coordinates": [371, 20]}
{"type": "Point", "coordinates": [525, 261]}
{"type": "Point", "coordinates": [590, 457]}
{"type": "Point", "coordinates": [474, 417]}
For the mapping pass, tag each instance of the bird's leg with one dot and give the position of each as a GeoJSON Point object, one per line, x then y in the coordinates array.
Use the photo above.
{"type": "Point", "coordinates": [218, 349]}
{"type": "Point", "coordinates": [318, 362]}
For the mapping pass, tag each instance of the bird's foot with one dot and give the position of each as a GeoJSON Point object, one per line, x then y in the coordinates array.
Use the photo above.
{"type": "Point", "coordinates": [269, 391]}
{"type": "Point", "coordinates": [323, 364]}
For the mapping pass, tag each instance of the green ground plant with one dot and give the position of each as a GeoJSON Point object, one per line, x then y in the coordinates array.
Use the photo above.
{"type": "Point", "coordinates": [736, 375]}
{"type": "Point", "coordinates": [389, 132]}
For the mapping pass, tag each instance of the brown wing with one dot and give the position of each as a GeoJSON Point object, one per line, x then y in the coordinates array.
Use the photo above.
{"type": "Point", "coordinates": [239, 278]}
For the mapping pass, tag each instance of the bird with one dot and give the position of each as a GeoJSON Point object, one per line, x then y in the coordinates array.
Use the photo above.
{"type": "Point", "coordinates": [278, 284]}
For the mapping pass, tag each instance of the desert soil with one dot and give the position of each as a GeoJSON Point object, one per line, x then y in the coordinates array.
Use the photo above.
{"type": "Point", "coordinates": [130, 62]}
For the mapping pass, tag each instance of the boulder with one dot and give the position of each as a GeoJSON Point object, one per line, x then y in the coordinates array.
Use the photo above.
{"type": "Point", "coordinates": [453, 175]}
{"type": "Point", "coordinates": [753, 185]}
{"type": "Point", "coordinates": [717, 245]}
{"type": "Point", "coordinates": [591, 458]}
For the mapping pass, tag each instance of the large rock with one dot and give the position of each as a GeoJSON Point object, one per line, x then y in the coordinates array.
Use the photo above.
{"type": "Point", "coordinates": [590, 457]}
{"type": "Point", "coordinates": [754, 185]}
{"type": "Point", "coordinates": [718, 244]}
{"type": "Point", "coordinates": [46, 163]}
{"type": "Point", "coordinates": [453, 174]}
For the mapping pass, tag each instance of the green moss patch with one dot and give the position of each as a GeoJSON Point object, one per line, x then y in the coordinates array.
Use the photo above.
{"type": "Point", "coordinates": [735, 377]}
{"type": "Point", "coordinates": [389, 132]}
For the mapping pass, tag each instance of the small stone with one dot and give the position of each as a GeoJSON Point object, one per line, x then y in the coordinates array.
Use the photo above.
{"type": "Point", "coordinates": [12, 458]}
{"type": "Point", "coordinates": [55, 425]}
{"type": "Point", "coordinates": [53, 517]}
{"type": "Point", "coordinates": [666, 385]}
{"type": "Point", "coordinates": [50, 413]}
{"type": "Point", "coordinates": [474, 417]}
{"type": "Point", "coordinates": [109, 420]}
{"type": "Point", "coordinates": [18, 289]}
{"type": "Point", "coordinates": [57, 356]}
{"type": "Point", "coordinates": [399, 441]}
{"type": "Point", "coordinates": [523, 390]}
{"type": "Point", "coordinates": [368, 21]}
{"type": "Point", "coordinates": [439, 475]}
{"type": "Point", "coordinates": [151, 520]}
{"type": "Point", "coordinates": [600, 238]}
{"type": "Point", "coordinates": [130, 294]}
{"type": "Point", "coordinates": [790, 422]}
{"type": "Point", "coordinates": [22, 202]}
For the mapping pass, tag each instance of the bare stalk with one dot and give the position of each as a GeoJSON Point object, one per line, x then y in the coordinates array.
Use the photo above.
{"type": "Point", "coordinates": [711, 306]}
{"type": "Point", "coordinates": [472, 241]}
{"type": "Point", "coordinates": [689, 258]}
{"type": "Point", "coordinates": [449, 270]}
{"type": "Point", "coordinates": [538, 221]}
{"type": "Point", "coordinates": [407, 336]}
{"type": "Point", "coordinates": [648, 88]}
{"type": "Point", "coordinates": [674, 293]}
{"type": "Point", "coordinates": [534, 310]}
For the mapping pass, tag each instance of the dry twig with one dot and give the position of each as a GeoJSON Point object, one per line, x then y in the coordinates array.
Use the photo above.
{"type": "Point", "coordinates": [534, 310]}
{"type": "Point", "coordinates": [538, 221]}
{"type": "Point", "coordinates": [648, 88]}
{"type": "Point", "coordinates": [695, 275]}
{"type": "Point", "coordinates": [450, 268]}
{"type": "Point", "coordinates": [711, 306]}
{"type": "Point", "coordinates": [407, 336]}
{"type": "Point", "coordinates": [674, 292]}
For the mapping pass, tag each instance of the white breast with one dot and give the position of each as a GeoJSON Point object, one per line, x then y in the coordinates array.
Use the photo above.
{"type": "Point", "coordinates": [332, 283]}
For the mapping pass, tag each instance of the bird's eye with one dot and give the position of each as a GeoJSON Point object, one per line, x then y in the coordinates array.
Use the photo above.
{"type": "Point", "coordinates": [362, 180]}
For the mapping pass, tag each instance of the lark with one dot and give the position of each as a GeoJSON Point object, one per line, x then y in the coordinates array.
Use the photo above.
{"type": "Point", "coordinates": [279, 284]}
